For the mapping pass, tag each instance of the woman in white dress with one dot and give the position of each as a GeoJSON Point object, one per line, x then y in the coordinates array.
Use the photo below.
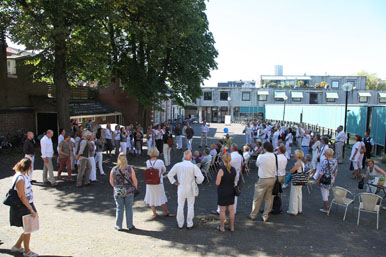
{"type": "Point", "coordinates": [155, 194]}
{"type": "Point", "coordinates": [150, 139]}
{"type": "Point", "coordinates": [91, 160]}
{"type": "Point", "coordinates": [288, 144]}
{"type": "Point", "coordinates": [316, 146]}
{"type": "Point", "coordinates": [321, 157]}
{"type": "Point", "coordinates": [275, 138]}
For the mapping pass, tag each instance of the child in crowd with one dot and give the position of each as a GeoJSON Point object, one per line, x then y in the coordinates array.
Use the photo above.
{"type": "Point", "coordinates": [307, 168]}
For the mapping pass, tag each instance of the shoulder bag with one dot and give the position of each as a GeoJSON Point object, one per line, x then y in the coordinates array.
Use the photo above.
{"type": "Point", "coordinates": [326, 180]}
{"type": "Point", "coordinates": [152, 176]}
{"type": "Point", "coordinates": [277, 186]}
{"type": "Point", "coordinates": [299, 179]}
{"type": "Point", "coordinates": [11, 198]}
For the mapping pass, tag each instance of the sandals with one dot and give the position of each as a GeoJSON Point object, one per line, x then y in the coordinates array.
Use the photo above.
{"type": "Point", "coordinates": [15, 249]}
{"type": "Point", "coordinates": [221, 230]}
{"type": "Point", "coordinates": [214, 213]}
{"type": "Point", "coordinates": [30, 254]}
{"type": "Point", "coordinates": [154, 216]}
{"type": "Point", "coordinates": [169, 215]}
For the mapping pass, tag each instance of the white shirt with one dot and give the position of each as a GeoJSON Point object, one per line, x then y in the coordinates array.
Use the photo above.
{"type": "Point", "coordinates": [299, 132]}
{"type": "Point", "coordinates": [267, 165]}
{"type": "Point", "coordinates": [204, 129]}
{"type": "Point", "coordinates": [158, 134]}
{"type": "Point", "coordinates": [213, 152]}
{"type": "Point", "coordinates": [282, 164]}
{"type": "Point", "coordinates": [248, 130]}
{"type": "Point", "coordinates": [27, 186]}
{"type": "Point", "coordinates": [159, 165]}
{"type": "Point", "coordinates": [186, 172]}
{"type": "Point", "coordinates": [46, 147]}
{"type": "Point", "coordinates": [118, 135]}
{"type": "Point", "coordinates": [246, 155]}
{"type": "Point", "coordinates": [322, 149]}
{"type": "Point", "coordinates": [108, 134]}
{"type": "Point", "coordinates": [289, 138]}
{"type": "Point", "coordinates": [236, 161]}
{"type": "Point", "coordinates": [306, 140]}
{"type": "Point", "coordinates": [60, 139]}
{"type": "Point", "coordinates": [357, 146]}
{"type": "Point", "coordinates": [340, 137]}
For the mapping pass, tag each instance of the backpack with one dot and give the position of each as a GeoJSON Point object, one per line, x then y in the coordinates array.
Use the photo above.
{"type": "Point", "coordinates": [152, 176]}
{"type": "Point", "coordinates": [276, 207]}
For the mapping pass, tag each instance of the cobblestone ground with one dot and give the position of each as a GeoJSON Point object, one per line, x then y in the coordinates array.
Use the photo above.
{"type": "Point", "coordinates": [80, 222]}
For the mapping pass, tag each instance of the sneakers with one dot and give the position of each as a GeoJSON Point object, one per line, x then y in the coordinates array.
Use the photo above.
{"type": "Point", "coordinates": [15, 249]}
{"type": "Point", "coordinates": [323, 210]}
{"type": "Point", "coordinates": [30, 254]}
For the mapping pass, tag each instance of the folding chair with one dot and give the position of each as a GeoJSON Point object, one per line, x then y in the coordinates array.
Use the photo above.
{"type": "Point", "coordinates": [369, 203]}
{"type": "Point", "coordinates": [340, 198]}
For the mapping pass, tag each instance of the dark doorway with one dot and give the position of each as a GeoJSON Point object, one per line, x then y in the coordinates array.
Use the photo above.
{"type": "Point", "coordinates": [369, 118]}
{"type": "Point", "coordinates": [47, 121]}
{"type": "Point", "coordinates": [313, 98]}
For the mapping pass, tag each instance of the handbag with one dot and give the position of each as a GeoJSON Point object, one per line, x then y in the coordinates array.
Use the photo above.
{"type": "Point", "coordinates": [361, 183]}
{"type": "Point", "coordinates": [11, 198]}
{"type": "Point", "coordinates": [326, 180]}
{"type": "Point", "coordinates": [299, 179]}
{"type": "Point", "coordinates": [277, 186]}
{"type": "Point", "coordinates": [195, 188]}
{"type": "Point", "coordinates": [152, 176]}
{"type": "Point", "coordinates": [236, 190]}
{"type": "Point", "coordinates": [136, 192]}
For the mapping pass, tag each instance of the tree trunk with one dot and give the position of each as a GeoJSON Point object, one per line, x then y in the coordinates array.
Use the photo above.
{"type": "Point", "coordinates": [141, 116]}
{"type": "Point", "coordinates": [62, 86]}
{"type": "Point", "coordinates": [3, 72]}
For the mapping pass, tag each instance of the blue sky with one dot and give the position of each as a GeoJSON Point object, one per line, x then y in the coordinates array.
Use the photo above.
{"type": "Point", "coordinates": [337, 37]}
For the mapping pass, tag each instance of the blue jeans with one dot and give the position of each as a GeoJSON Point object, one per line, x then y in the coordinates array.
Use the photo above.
{"type": "Point", "coordinates": [288, 179]}
{"type": "Point", "coordinates": [124, 203]}
{"type": "Point", "coordinates": [305, 149]}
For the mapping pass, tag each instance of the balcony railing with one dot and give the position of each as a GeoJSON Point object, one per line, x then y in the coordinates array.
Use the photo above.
{"type": "Point", "coordinates": [76, 93]}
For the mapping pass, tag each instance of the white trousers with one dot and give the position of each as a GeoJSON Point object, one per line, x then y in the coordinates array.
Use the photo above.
{"type": "Point", "coordinates": [339, 151]}
{"type": "Point", "coordinates": [123, 147]}
{"type": "Point", "coordinates": [99, 161]}
{"type": "Point", "coordinates": [149, 146]}
{"type": "Point", "coordinates": [180, 210]}
{"type": "Point", "coordinates": [91, 161]}
{"type": "Point", "coordinates": [189, 143]}
{"type": "Point", "coordinates": [295, 202]}
{"type": "Point", "coordinates": [179, 141]}
{"type": "Point", "coordinates": [166, 151]}
{"type": "Point", "coordinates": [248, 139]}
{"type": "Point", "coordinates": [29, 173]}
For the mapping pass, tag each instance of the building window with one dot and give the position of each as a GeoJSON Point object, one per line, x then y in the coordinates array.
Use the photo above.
{"type": "Point", "coordinates": [352, 82]}
{"type": "Point", "coordinates": [382, 97]}
{"type": "Point", "coordinates": [262, 97]}
{"type": "Point", "coordinates": [294, 99]}
{"type": "Point", "coordinates": [207, 96]}
{"type": "Point", "coordinates": [103, 118]}
{"type": "Point", "coordinates": [80, 120]}
{"type": "Point", "coordinates": [224, 96]}
{"type": "Point", "coordinates": [93, 119]}
{"type": "Point", "coordinates": [246, 96]}
{"type": "Point", "coordinates": [9, 67]}
{"type": "Point", "coordinates": [330, 99]}
{"type": "Point", "coordinates": [363, 99]}
{"type": "Point", "coordinates": [335, 84]}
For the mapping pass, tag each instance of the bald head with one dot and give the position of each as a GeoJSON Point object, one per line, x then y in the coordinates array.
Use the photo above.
{"type": "Point", "coordinates": [187, 155]}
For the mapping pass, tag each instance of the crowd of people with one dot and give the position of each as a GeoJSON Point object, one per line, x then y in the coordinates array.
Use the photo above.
{"type": "Point", "coordinates": [269, 146]}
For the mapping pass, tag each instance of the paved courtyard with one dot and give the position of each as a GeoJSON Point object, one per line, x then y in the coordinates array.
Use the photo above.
{"type": "Point", "coordinates": [80, 222]}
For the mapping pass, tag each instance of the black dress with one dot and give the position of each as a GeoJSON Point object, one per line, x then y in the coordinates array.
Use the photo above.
{"type": "Point", "coordinates": [225, 192]}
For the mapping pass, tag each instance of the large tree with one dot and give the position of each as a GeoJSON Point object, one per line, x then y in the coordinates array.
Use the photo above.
{"type": "Point", "coordinates": [160, 49]}
{"type": "Point", "coordinates": [157, 48]}
{"type": "Point", "coordinates": [63, 32]}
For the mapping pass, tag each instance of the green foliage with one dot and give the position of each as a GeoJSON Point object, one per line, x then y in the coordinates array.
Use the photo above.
{"type": "Point", "coordinates": [372, 81]}
{"type": "Point", "coordinates": [317, 85]}
{"type": "Point", "coordinates": [300, 83]}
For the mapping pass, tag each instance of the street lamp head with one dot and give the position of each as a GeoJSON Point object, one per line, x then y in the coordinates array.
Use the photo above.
{"type": "Point", "coordinates": [285, 98]}
{"type": "Point", "coordinates": [347, 87]}
{"type": "Point", "coordinates": [229, 99]}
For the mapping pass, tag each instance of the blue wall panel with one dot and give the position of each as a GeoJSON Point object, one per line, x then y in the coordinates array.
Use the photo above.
{"type": "Point", "coordinates": [378, 125]}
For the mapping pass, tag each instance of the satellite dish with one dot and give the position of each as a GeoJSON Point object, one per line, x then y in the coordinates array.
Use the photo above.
{"type": "Point", "coordinates": [347, 87]}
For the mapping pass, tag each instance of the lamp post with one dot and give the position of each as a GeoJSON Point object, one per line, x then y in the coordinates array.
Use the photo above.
{"type": "Point", "coordinates": [229, 105]}
{"type": "Point", "coordinates": [347, 87]}
{"type": "Point", "coordinates": [285, 100]}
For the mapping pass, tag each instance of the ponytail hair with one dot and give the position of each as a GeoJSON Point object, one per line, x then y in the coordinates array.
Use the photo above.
{"type": "Point", "coordinates": [226, 158]}
{"type": "Point", "coordinates": [23, 165]}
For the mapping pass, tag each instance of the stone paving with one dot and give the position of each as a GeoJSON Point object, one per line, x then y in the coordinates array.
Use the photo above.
{"type": "Point", "coordinates": [80, 222]}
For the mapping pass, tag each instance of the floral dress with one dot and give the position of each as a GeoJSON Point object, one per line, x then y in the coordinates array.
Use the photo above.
{"type": "Point", "coordinates": [122, 186]}
{"type": "Point", "coordinates": [328, 168]}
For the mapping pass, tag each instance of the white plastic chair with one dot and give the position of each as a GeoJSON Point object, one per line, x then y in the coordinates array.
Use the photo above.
{"type": "Point", "coordinates": [369, 203]}
{"type": "Point", "coordinates": [340, 198]}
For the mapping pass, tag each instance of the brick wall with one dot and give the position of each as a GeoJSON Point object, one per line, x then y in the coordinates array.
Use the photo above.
{"type": "Point", "coordinates": [114, 97]}
{"type": "Point", "coordinates": [14, 120]}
